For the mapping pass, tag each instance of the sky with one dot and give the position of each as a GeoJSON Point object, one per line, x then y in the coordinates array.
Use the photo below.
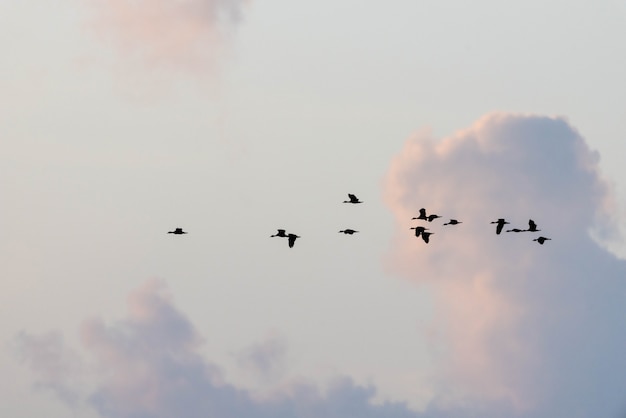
{"type": "Point", "coordinates": [122, 120]}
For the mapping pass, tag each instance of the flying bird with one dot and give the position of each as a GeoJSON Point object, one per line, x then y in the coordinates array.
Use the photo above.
{"type": "Point", "coordinates": [500, 224]}
{"type": "Point", "coordinates": [292, 239]}
{"type": "Point", "coordinates": [419, 230]}
{"type": "Point", "coordinates": [532, 226]}
{"type": "Point", "coordinates": [426, 236]}
{"type": "Point", "coordinates": [422, 214]}
{"type": "Point", "coordinates": [348, 231]}
{"type": "Point", "coordinates": [453, 222]}
{"type": "Point", "coordinates": [353, 199]}
{"type": "Point", "coordinates": [541, 240]}
{"type": "Point", "coordinates": [177, 231]}
{"type": "Point", "coordinates": [516, 230]}
{"type": "Point", "coordinates": [433, 217]}
{"type": "Point", "coordinates": [280, 233]}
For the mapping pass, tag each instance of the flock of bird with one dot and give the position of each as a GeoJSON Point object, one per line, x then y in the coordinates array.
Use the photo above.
{"type": "Point", "coordinates": [292, 237]}
{"type": "Point", "coordinates": [420, 231]}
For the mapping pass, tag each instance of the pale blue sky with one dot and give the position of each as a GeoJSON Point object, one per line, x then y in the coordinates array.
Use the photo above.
{"type": "Point", "coordinates": [309, 101]}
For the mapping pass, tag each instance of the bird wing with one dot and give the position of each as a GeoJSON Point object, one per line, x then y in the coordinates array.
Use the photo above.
{"type": "Point", "coordinates": [292, 240]}
{"type": "Point", "coordinates": [352, 197]}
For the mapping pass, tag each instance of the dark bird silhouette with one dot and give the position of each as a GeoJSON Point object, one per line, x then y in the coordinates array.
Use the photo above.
{"type": "Point", "coordinates": [541, 240]}
{"type": "Point", "coordinates": [516, 230]}
{"type": "Point", "coordinates": [353, 199]}
{"type": "Point", "coordinates": [426, 236]}
{"type": "Point", "coordinates": [177, 231]}
{"type": "Point", "coordinates": [280, 233]}
{"type": "Point", "coordinates": [422, 215]}
{"type": "Point", "coordinates": [500, 224]}
{"type": "Point", "coordinates": [453, 222]}
{"type": "Point", "coordinates": [433, 217]}
{"type": "Point", "coordinates": [532, 226]}
{"type": "Point", "coordinates": [292, 239]}
{"type": "Point", "coordinates": [419, 230]}
{"type": "Point", "coordinates": [348, 231]}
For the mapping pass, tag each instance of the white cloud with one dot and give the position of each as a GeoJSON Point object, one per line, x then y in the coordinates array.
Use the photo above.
{"type": "Point", "coordinates": [538, 328]}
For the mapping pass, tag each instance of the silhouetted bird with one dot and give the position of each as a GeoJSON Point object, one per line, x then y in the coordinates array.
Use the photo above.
{"type": "Point", "coordinates": [541, 240]}
{"type": "Point", "coordinates": [419, 230]}
{"type": "Point", "coordinates": [453, 222]}
{"type": "Point", "coordinates": [280, 233]}
{"type": "Point", "coordinates": [426, 236]}
{"type": "Point", "coordinates": [292, 239]}
{"type": "Point", "coordinates": [515, 230]}
{"type": "Point", "coordinates": [500, 224]}
{"type": "Point", "coordinates": [348, 231]}
{"type": "Point", "coordinates": [353, 199]}
{"type": "Point", "coordinates": [433, 217]}
{"type": "Point", "coordinates": [532, 226]}
{"type": "Point", "coordinates": [422, 215]}
{"type": "Point", "coordinates": [177, 231]}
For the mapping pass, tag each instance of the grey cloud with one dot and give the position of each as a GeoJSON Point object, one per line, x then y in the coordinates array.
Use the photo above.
{"type": "Point", "coordinates": [265, 359]}
{"type": "Point", "coordinates": [55, 364]}
{"type": "Point", "coordinates": [148, 366]}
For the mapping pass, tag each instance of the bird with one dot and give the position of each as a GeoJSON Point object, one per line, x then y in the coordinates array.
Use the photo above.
{"type": "Point", "coordinates": [177, 231]}
{"type": "Point", "coordinates": [353, 199]}
{"type": "Point", "coordinates": [422, 214]}
{"type": "Point", "coordinates": [500, 224]}
{"type": "Point", "coordinates": [280, 233]}
{"type": "Point", "coordinates": [292, 239]}
{"type": "Point", "coordinates": [426, 236]}
{"type": "Point", "coordinates": [516, 230]}
{"type": "Point", "coordinates": [348, 231]}
{"type": "Point", "coordinates": [532, 226]}
{"type": "Point", "coordinates": [433, 217]}
{"type": "Point", "coordinates": [419, 230]}
{"type": "Point", "coordinates": [541, 240]}
{"type": "Point", "coordinates": [453, 222]}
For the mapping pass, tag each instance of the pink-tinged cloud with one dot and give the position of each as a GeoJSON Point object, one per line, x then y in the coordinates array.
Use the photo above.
{"type": "Point", "coordinates": [148, 365]}
{"type": "Point", "coordinates": [171, 35]}
{"type": "Point", "coordinates": [537, 330]}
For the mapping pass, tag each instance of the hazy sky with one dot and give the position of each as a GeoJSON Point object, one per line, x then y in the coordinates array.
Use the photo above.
{"type": "Point", "coordinates": [122, 120]}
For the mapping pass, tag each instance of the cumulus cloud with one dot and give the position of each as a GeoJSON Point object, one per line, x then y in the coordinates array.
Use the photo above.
{"type": "Point", "coordinates": [148, 365]}
{"type": "Point", "coordinates": [171, 35]}
{"type": "Point", "coordinates": [523, 329]}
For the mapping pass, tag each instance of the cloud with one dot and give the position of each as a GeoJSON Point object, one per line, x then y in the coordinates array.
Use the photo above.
{"type": "Point", "coordinates": [148, 365]}
{"type": "Point", "coordinates": [266, 359]}
{"type": "Point", "coordinates": [536, 330]}
{"type": "Point", "coordinates": [55, 364]}
{"type": "Point", "coordinates": [168, 35]}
